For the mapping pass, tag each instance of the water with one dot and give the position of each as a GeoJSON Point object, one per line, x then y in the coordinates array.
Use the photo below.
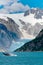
{"type": "Point", "coordinates": [22, 58]}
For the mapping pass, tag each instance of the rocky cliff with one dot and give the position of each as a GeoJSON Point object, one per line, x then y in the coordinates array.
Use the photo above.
{"type": "Point", "coordinates": [34, 45]}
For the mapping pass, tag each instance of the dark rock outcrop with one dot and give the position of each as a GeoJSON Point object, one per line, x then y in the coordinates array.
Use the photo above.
{"type": "Point", "coordinates": [34, 45]}
{"type": "Point", "coordinates": [38, 13]}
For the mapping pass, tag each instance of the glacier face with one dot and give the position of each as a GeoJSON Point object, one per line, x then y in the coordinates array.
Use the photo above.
{"type": "Point", "coordinates": [8, 31]}
{"type": "Point", "coordinates": [5, 40]}
{"type": "Point", "coordinates": [19, 26]}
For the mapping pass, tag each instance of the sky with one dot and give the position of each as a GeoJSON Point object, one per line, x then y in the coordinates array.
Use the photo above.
{"type": "Point", "coordinates": [17, 6]}
{"type": "Point", "coordinates": [33, 3]}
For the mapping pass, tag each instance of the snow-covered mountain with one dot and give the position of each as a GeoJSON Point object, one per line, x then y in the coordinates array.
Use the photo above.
{"type": "Point", "coordinates": [20, 26]}
{"type": "Point", "coordinates": [32, 30]}
{"type": "Point", "coordinates": [38, 13]}
{"type": "Point", "coordinates": [29, 23]}
{"type": "Point", "coordinates": [9, 31]}
{"type": "Point", "coordinates": [32, 21]}
{"type": "Point", "coordinates": [11, 26]}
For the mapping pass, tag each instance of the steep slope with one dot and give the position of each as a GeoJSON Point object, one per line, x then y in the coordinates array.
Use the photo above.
{"type": "Point", "coordinates": [11, 26]}
{"type": "Point", "coordinates": [28, 24]}
{"type": "Point", "coordinates": [34, 45]}
{"type": "Point", "coordinates": [5, 39]}
{"type": "Point", "coordinates": [38, 13]}
{"type": "Point", "coordinates": [9, 31]}
{"type": "Point", "coordinates": [30, 29]}
{"type": "Point", "coordinates": [32, 22]}
{"type": "Point", "coordinates": [24, 30]}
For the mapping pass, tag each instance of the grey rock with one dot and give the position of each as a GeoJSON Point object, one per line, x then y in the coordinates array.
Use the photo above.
{"type": "Point", "coordinates": [38, 13]}
{"type": "Point", "coordinates": [11, 26]}
{"type": "Point", "coordinates": [31, 29]}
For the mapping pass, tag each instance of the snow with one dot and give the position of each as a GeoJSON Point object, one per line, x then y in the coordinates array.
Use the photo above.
{"type": "Point", "coordinates": [28, 19]}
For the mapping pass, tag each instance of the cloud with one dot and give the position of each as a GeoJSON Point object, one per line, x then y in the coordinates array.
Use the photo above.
{"type": "Point", "coordinates": [4, 11]}
{"type": "Point", "coordinates": [11, 6]}
{"type": "Point", "coordinates": [4, 2]}
{"type": "Point", "coordinates": [17, 7]}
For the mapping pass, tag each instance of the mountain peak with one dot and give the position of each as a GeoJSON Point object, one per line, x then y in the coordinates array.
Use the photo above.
{"type": "Point", "coordinates": [38, 13]}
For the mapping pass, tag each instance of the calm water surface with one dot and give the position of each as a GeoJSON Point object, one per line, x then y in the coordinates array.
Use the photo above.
{"type": "Point", "coordinates": [22, 58]}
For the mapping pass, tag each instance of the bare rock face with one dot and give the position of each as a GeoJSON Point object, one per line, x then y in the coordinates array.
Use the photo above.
{"type": "Point", "coordinates": [31, 29]}
{"type": "Point", "coordinates": [9, 31]}
{"type": "Point", "coordinates": [11, 26]}
{"type": "Point", "coordinates": [34, 45]}
{"type": "Point", "coordinates": [38, 13]}
{"type": "Point", "coordinates": [27, 13]}
{"type": "Point", "coordinates": [34, 30]}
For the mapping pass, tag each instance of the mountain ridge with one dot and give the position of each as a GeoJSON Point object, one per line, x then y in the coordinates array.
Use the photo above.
{"type": "Point", "coordinates": [34, 45]}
